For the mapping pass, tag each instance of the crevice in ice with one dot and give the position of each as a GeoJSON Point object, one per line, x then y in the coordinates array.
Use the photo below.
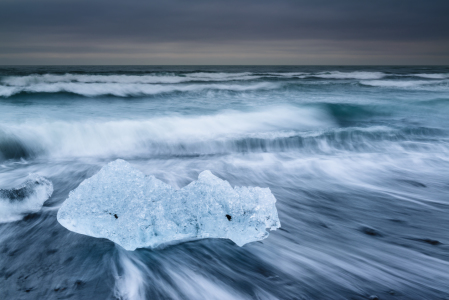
{"type": "Point", "coordinates": [123, 205]}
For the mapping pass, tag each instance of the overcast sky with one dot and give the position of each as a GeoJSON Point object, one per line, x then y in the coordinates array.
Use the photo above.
{"type": "Point", "coordinates": [290, 32]}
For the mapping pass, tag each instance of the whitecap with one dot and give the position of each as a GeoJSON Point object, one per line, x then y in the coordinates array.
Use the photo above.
{"type": "Point", "coordinates": [350, 75]}
{"type": "Point", "coordinates": [432, 76]}
{"type": "Point", "coordinates": [405, 83]}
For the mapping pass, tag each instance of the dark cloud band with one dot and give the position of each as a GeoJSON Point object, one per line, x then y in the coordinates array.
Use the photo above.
{"type": "Point", "coordinates": [127, 30]}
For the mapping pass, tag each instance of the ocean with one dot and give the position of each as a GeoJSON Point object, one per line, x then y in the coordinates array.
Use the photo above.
{"type": "Point", "coordinates": [357, 158]}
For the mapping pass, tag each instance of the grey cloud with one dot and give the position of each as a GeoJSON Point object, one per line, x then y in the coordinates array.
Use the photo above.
{"type": "Point", "coordinates": [50, 26]}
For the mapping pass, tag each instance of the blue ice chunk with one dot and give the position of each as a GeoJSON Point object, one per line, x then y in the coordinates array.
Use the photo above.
{"type": "Point", "coordinates": [24, 199]}
{"type": "Point", "coordinates": [133, 210]}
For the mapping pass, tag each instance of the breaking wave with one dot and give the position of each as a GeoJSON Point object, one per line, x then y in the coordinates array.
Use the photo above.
{"type": "Point", "coordinates": [281, 129]}
{"type": "Point", "coordinates": [408, 84]}
{"type": "Point", "coordinates": [126, 89]}
{"type": "Point", "coordinates": [172, 78]}
{"type": "Point", "coordinates": [350, 75]}
{"type": "Point", "coordinates": [169, 135]}
{"type": "Point", "coordinates": [432, 76]}
{"type": "Point", "coordinates": [125, 79]}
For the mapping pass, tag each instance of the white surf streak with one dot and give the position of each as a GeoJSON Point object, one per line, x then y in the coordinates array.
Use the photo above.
{"type": "Point", "coordinates": [130, 284]}
{"type": "Point", "coordinates": [196, 286]}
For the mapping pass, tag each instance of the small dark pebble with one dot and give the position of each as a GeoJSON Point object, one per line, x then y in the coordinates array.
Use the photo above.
{"type": "Point", "coordinates": [397, 221]}
{"type": "Point", "coordinates": [373, 297]}
{"type": "Point", "coordinates": [52, 251]}
{"type": "Point", "coordinates": [431, 242]}
{"type": "Point", "coordinates": [414, 183]}
{"type": "Point", "coordinates": [79, 283]}
{"type": "Point", "coordinates": [14, 252]}
{"type": "Point", "coordinates": [30, 217]}
{"type": "Point", "coordinates": [69, 259]}
{"type": "Point", "coordinates": [428, 241]}
{"type": "Point", "coordinates": [6, 275]}
{"type": "Point", "coordinates": [229, 217]}
{"type": "Point", "coordinates": [370, 231]}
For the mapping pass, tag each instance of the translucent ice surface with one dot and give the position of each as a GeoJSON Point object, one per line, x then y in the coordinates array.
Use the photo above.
{"type": "Point", "coordinates": [27, 198]}
{"type": "Point", "coordinates": [134, 210]}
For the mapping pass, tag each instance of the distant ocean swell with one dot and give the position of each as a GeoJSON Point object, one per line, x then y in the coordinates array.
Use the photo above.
{"type": "Point", "coordinates": [160, 83]}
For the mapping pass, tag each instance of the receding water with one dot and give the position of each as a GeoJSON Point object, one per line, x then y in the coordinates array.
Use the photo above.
{"type": "Point", "coordinates": [357, 157]}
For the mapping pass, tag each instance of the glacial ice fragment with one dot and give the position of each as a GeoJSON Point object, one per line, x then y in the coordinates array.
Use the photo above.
{"type": "Point", "coordinates": [27, 198]}
{"type": "Point", "coordinates": [133, 210]}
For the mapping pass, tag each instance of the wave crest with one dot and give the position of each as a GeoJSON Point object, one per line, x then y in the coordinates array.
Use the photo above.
{"type": "Point", "coordinates": [125, 90]}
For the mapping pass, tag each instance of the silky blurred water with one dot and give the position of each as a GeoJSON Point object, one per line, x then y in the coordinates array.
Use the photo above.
{"type": "Point", "coordinates": [357, 157]}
